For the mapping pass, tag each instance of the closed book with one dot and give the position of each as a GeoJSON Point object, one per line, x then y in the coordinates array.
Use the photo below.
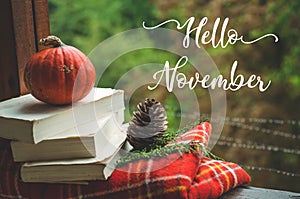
{"type": "Point", "coordinates": [83, 141]}
{"type": "Point", "coordinates": [28, 120]}
{"type": "Point", "coordinates": [76, 170]}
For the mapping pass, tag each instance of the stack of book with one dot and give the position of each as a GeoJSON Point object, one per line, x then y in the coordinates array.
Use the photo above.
{"type": "Point", "coordinates": [74, 143]}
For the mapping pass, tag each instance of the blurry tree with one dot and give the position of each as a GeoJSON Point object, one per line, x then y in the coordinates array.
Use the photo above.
{"type": "Point", "coordinates": [84, 24]}
{"type": "Point", "coordinates": [285, 21]}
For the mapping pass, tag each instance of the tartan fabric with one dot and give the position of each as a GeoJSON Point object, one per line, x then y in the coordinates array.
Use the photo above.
{"type": "Point", "coordinates": [187, 175]}
{"type": "Point", "coordinates": [163, 177]}
{"type": "Point", "coordinates": [198, 133]}
{"type": "Point", "coordinates": [216, 177]}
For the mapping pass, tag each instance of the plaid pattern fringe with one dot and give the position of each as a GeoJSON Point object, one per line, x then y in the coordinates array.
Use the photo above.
{"type": "Point", "coordinates": [187, 175]}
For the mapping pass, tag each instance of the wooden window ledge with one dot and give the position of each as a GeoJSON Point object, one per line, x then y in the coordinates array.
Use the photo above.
{"type": "Point", "coordinates": [245, 192]}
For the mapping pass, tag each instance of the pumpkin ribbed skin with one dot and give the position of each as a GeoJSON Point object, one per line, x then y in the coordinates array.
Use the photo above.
{"type": "Point", "coordinates": [59, 75]}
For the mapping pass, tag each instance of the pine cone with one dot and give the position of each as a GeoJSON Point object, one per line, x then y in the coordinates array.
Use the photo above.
{"type": "Point", "coordinates": [148, 124]}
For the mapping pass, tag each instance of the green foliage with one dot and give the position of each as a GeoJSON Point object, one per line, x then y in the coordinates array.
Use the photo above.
{"type": "Point", "coordinates": [133, 60]}
{"type": "Point", "coordinates": [285, 22]}
{"type": "Point", "coordinates": [156, 152]}
{"type": "Point", "coordinates": [84, 24]}
{"type": "Point", "coordinates": [160, 150]}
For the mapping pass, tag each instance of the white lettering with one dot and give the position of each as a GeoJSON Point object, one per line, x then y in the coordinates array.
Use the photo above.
{"type": "Point", "coordinates": [236, 81]}
{"type": "Point", "coordinates": [210, 37]}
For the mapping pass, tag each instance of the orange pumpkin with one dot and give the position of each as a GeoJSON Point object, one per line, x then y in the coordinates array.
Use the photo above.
{"type": "Point", "coordinates": [60, 74]}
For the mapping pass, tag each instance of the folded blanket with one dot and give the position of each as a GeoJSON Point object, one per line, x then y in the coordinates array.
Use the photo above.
{"type": "Point", "coordinates": [216, 177]}
{"type": "Point", "coordinates": [176, 175]}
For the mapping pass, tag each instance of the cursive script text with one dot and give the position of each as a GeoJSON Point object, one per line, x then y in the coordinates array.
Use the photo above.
{"type": "Point", "coordinates": [226, 37]}
{"type": "Point", "coordinates": [172, 77]}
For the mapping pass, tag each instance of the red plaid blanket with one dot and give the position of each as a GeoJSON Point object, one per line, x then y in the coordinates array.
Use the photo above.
{"type": "Point", "coordinates": [187, 175]}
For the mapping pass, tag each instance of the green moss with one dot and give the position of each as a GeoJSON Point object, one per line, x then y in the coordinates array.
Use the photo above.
{"type": "Point", "coordinates": [160, 150]}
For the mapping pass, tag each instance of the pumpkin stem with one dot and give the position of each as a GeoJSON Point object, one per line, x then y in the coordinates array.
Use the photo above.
{"type": "Point", "coordinates": [51, 41]}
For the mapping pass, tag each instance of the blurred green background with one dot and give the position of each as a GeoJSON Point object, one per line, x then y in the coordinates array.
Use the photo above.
{"type": "Point", "coordinates": [261, 129]}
